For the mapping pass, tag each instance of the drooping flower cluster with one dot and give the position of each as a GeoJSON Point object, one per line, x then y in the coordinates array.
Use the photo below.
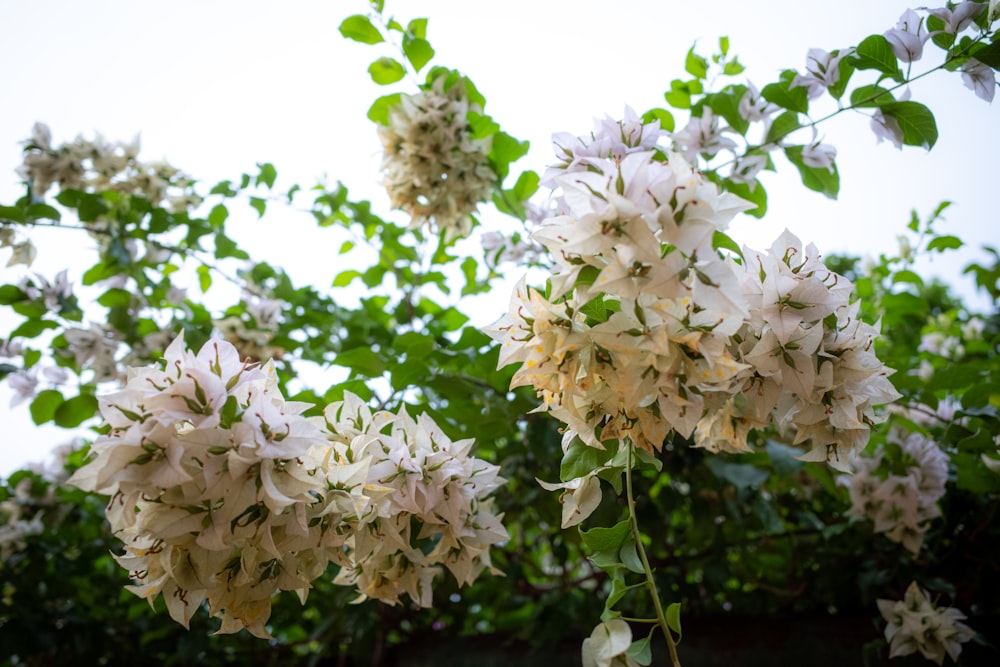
{"type": "Point", "coordinates": [646, 329]}
{"type": "Point", "coordinates": [223, 492]}
{"type": "Point", "coordinates": [432, 166]}
{"type": "Point", "coordinates": [898, 487]}
{"type": "Point", "coordinates": [97, 165]}
{"type": "Point", "coordinates": [814, 371]}
{"type": "Point", "coordinates": [430, 505]}
{"type": "Point", "coordinates": [915, 624]}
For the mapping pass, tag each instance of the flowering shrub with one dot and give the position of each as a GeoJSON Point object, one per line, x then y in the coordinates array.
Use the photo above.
{"type": "Point", "coordinates": [708, 397]}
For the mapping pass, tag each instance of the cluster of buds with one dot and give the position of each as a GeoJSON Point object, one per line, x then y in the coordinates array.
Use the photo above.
{"type": "Point", "coordinates": [432, 166]}
{"type": "Point", "coordinates": [224, 492]}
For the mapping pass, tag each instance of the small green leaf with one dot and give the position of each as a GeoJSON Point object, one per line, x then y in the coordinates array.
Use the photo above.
{"type": "Point", "coordinates": [581, 459]}
{"type": "Point", "coordinates": [989, 55]}
{"type": "Point", "coordinates": [115, 297]}
{"type": "Point", "coordinates": [217, 216]}
{"type": "Point", "coordinates": [32, 328]}
{"type": "Point", "coordinates": [12, 213]}
{"type": "Point", "coordinates": [43, 407]}
{"type": "Point", "coordinates": [259, 205]}
{"type": "Point", "coordinates": [942, 243]}
{"type": "Point", "coordinates": [605, 539]}
{"type": "Point", "coordinates": [11, 294]}
{"type": "Point", "coordinates": [361, 360]}
{"type": "Point", "coordinates": [418, 51]}
{"type": "Point", "coordinates": [916, 121]}
{"type": "Point", "coordinates": [346, 247]}
{"type": "Point", "coordinates": [870, 96]}
{"type": "Point", "coordinates": [673, 615]}
{"type": "Point", "coordinates": [417, 28]}
{"type": "Point", "coordinates": [359, 28]}
{"type": "Point", "coordinates": [73, 412]}
{"type": "Point", "coordinates": [874, 52]}
{"type": "Point", "coordinates": [721, 240]}
{"type": "Point", "coordinates": [907, 276]}
{"type": "Point", "coordinates": [782, 126]}
{"type": "Point", "coordinates": [784, 95]}
{"type": "Point", "coordinates": [204, 277]}
{"type": "Point", "coordinates": [378, 112]}
{"type": "Point", "coordinates": [640, 651]}
{"type": "Point", "coordinates": [695, 65]}
{"type": "Point", "coordinates": [526, 185]}
{"type": "Point", "coordinates": [665, 118]}
{"type": "Point", "coordinates": [820, 179]}
{"type": "Point", "coordinates": [630, 557]}
{"type": "Point", "coordinates": [42, 212]}
{"type": "Point", "coordinates": [386, 70]}
{"type": "Point", "coordinates": [267, 174]}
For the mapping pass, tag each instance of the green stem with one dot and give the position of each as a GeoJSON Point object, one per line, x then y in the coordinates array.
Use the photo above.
{"type": "Point", "coordinates": [661, 617]}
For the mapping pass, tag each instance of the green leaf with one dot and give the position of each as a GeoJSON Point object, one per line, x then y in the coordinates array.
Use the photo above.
{"type": "Point", "coordinates": [417, 28]}
{"type": "Point", "coordinates": [259, 205]}
{"type": "Point", "coordinates": [726, 103]}
{"type": "Point", "coordinates": [819, 179]}
{"type": "Point", "coordinates": [782, 126]}
{"type": "Point", "coordinates": [361, 360]}
{"type": "Point", "coordinates": [640, 651]}
{"type": "Point", "coordinates": [32, 328]}
{"type": "Point", "coordinates": [723, 241]}
{"type": "Point", "coordinates": [907, 276]}
{"type": "Point", "coordinates": [989, 55]}
{"type": "Point", "coordinates": [916, 121]}
{"type": "Point", "coordinates": [204, 277]}
{"type": "Point", "coordinates": [115, 297]}
{"type": "Point", "coordinates": [870, 96]}
{"type": "Point", "coordinates": [359, 28]}
{"type": "Point", "coordinates": [11, 294]}
{"type": "Point", "coordinates": [12, 213]}
{"type": "Point", "coordinates": [75, 411]}
{"type": "Point", "coordinates": [606, 539]}
{"type": "Point", "coordinates": [506, 149]}
{"type": "Point", "coordinates": [630, 557]}
{"type": "Point", "coordinates": [481, 125]}
{"type": "Point", "coordinates": [784, 95]}
{"type": "Point", "coordinates": [665, 118]}
{"type": "Point", "coordinates": [42, 212]}
{"type": "Point", "coordinates": [43, 407]}
{"type": "Point", "coordinates": [695, 65]}
{"type": "Point", "coordinates": [386, 70]}
{"type": "Point", "coordinates": [673, 614]}
{"type": "Point", "coordinates": [581, 459]}
{"type": "Point", "coordinates": [733, 67]}
{"type": "Point", "coordinates": [226, 247]}
{"type": "Point", "coordinates": [942, 243]}
{"type": "Point", "coordinates": [418, 51]}
{"type": "Point", "coordinates": [526, 185]}
{"type": "Point", "coordinates": [378, 112]}
{"type": "Point", "coordinates": [217, 216]}
{"type": "Point", "coordinates": [724, 45]}
{"type": "Point", "coordinates": [267, 174]}
{"type": "Point", "coordinates": [874, 52]}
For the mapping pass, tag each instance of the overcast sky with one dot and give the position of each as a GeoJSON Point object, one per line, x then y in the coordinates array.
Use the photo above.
{"type": "Point", "coordinates": [214, 87]}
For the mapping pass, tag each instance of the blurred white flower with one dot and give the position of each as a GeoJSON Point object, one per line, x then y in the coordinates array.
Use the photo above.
{"type": "Point", "coordinates": [915, 624]}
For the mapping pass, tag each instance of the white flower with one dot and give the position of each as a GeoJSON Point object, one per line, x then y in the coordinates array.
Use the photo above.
{"type": "Point", "coordinates": [819, 156]}
{"type": "Point", "coordinates": [822, 71]}
{"type": "Point", "coordinates": [979, 78]}
{"type": "Point", "coordinates": [958, 18]}
{"type": "Point", "coordinates": [24, 383]}
{"type": "Point", "coordinates": [607, 645]}
{"type": "Point", "coordinates": [702, 134]}
{"type": "Point", "coordinates": [754, 107]}
{"type": "Point", "coordinates": [907, 39]}
{"type": "Point", "coordinates": [23, 253]}
{"type": "Point", "coordinates": [915, 624]}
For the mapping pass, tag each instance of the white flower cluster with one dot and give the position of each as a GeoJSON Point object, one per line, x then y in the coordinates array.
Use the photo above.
{"type": "Point", "coordinates": [429, 504]}
{"type": "Point", "coordinates": [899, 490]}
{"type": "Point", "coordinates": [97, 165]}
{"type": "Point", "coordinates": [432, 167]}
{"type": "Point", "coordinates": [646, 328]}
{"type": "Point", "coordinates": [915, 624]}
{"type": "Point", "coordinates": [253, 338]}
{"type": "Point", "coordinates": [222, 491]}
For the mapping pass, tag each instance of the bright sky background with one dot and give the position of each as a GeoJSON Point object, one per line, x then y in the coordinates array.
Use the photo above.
{"type": "Point", "coordinates": [214, 87]}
